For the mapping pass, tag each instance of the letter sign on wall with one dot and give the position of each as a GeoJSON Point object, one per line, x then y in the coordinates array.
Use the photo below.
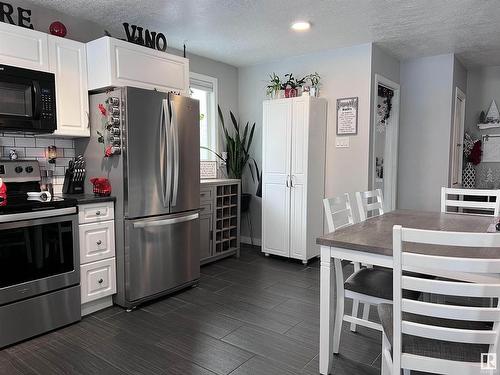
{"type": "Point", "coordinates": [7, 15]}
{"type": "Point", "coordinates": [136, 34]}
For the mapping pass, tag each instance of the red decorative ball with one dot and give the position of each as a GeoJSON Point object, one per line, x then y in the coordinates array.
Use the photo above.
{"type": "Point", "coordinates": [58, 29]}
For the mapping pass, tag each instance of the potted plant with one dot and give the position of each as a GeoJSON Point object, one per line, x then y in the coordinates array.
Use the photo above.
{"type": "Point", "coordinates": [237, 145]}
{"type": "Point", "coordinates": [299, 83]}
{"type": "Point", "coordinates": [274, 87]}
{"type": "Point", "coordinates": [290, 86]}
{"type": "Point", "coordinates": [314, 79]}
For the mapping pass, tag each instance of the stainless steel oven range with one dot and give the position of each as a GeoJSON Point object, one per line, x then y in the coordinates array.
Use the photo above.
{"type": "Point", "coordinates": [39, 257]}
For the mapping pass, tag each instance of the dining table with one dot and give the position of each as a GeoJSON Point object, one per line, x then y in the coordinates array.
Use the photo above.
{"type": "Point", "coordinates": [370, 242]}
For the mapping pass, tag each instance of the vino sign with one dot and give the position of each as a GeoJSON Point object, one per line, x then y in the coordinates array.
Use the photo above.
{"type": "Point", "coordinates": [9, 15]}
{"type": "Point", "coordinates": [144, 37]}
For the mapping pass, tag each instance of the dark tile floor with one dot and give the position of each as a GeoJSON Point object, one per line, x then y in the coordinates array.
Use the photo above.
{"type": "Point", "coordinates": [248, 316]}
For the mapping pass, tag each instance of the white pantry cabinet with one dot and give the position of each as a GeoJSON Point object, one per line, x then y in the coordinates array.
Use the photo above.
{"type": "Point", "coordinates": [68, 61]}
{"type": "Point", "coordinates": [23, 47]}
{"type": "Point", "coordinates": [114, 62]}
{"type": "Point", "coordinates": [293, 176]}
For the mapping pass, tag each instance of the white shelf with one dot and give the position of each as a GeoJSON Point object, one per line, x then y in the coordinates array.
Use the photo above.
{"type": "Point", "coordinates": [488, 126]}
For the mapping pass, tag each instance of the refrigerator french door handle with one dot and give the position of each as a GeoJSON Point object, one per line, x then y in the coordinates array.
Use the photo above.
{"type": "Point", "coordinates": [175, 141]}
{"type": "Point", "coordinates": [158, 223]}
{"type": "Point", "coordinates": [165, 166]}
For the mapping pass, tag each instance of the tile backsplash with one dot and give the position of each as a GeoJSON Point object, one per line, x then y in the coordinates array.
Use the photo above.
{"type": "Point", "coordinates": [32, 147]}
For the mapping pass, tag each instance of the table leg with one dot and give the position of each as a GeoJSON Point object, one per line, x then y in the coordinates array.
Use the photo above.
{"type": "Point", "coordinates": [326, 313]}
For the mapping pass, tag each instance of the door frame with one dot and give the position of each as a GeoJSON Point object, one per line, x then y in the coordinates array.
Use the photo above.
{"type": "Point", "coordinates": [459, 95]}
{"type": "Point", "coordinates": [391, 147]}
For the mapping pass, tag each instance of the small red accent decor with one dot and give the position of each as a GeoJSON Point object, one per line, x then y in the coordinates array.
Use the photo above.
{"type": "Point", "coordinates": [3, 193]}
{"type": "Point", "coordinates": [102, 109]}
{"type": "Point", "coordinates": [102, 186]}
{"type": "Point", "coordinates": [290, 93]}
{"type": "Point", "coordinates": [108, 151]}
{"type": "Point", "coordinates": [476, 153]}
{"type": "Point", "coordinates": [57, 28]}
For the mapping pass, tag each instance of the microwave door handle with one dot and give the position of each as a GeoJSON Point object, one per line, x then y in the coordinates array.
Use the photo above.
{"type": "Point", "coordinates": [37, 100]}
{"type": "Point", "coordinates": [175, 139]}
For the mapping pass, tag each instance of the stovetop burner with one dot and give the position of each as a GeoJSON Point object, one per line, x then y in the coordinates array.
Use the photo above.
{"type": "Point", "coordinates": [21, 177]}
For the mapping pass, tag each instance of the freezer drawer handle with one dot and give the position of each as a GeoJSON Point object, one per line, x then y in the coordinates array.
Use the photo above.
{"type": "Point", "coordinates": [175, 220]}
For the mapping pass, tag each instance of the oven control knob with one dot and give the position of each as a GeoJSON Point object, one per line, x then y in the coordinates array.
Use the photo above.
{"type": "Point", "coordinates": [18, 169]}
{"type": "Point", "coordinates": [29, 169]}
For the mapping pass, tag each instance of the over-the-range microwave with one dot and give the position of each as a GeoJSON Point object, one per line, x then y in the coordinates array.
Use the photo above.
{"type": "Point", "coordinates": [27, 100]}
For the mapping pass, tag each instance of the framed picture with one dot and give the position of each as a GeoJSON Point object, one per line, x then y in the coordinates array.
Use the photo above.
{"type": "Point", "coordinates": [208, 169]}
{"type": "Point", "coordinates": [347, 116]}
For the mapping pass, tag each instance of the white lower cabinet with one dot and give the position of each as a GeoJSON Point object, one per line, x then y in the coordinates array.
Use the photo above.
{"type": "Point", "coordinates": [97, 256]}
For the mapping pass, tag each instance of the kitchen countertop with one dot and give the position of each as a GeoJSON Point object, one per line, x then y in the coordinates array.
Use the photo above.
{"type": "Point", "coordinates": [88, 198]}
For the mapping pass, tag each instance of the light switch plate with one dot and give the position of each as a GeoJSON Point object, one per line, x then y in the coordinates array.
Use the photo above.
{"type": "Point", "coordinates": [342, 142]}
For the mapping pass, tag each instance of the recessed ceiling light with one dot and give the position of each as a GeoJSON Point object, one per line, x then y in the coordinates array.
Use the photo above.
{"type": "Point", "coordinates": [301, 26]}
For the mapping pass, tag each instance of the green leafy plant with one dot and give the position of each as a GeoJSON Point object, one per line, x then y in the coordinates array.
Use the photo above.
{"type": "Point", "coordinates": [274, 84]}
{"type": "Point", "coordinates": [290, 82]}
{"type": "Point", "coordinates": [238, 145]}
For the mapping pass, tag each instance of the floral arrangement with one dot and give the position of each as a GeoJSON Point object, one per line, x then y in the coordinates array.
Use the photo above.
{"type": "Point", "coordinates": [472, 149]}
{"type": "Point", "coordinates": [292, 86]}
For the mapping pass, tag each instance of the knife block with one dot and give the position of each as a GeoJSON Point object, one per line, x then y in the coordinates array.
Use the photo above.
{"type": "Point", "coordinates": [71, 184]}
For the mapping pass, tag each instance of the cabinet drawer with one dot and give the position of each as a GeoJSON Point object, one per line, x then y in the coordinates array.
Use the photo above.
{"type": "Point", "coordinates": [98, 279]}
{"type": "Point", "coordinates": [206, 195]}
{"type": "Point", "coordinates": [206, 208]}
{"type": "Point", "coordinates": [97, 241]}
{"type": "Point", "coordinates": [95, 212]}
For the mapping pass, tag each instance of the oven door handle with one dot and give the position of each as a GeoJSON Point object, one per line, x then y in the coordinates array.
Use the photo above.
{"type": "Point", "coordinates": [37, 214]}
{"type": "Point", "coordinates": [37, 100]}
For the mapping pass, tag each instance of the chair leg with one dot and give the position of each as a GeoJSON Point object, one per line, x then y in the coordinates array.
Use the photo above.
{"type": "Point", "coordinates": [355, 302]}
{"type": "Point", "coordinates": [386, 352]}
{"type": "Point", "coordinates": [339, 311]}
{"type": "Point", "coordinates": [366, 311]}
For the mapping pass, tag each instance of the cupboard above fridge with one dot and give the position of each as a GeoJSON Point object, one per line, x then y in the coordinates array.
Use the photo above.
{"type": "Point", "coordinates": [113, 62]}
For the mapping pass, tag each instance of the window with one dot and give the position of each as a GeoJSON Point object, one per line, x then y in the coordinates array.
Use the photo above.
{"type": "Point", "coordinates": [204, 89]}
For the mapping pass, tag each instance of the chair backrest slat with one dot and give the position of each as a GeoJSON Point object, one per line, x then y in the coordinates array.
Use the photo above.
{"type": "Point", "coordinates": [450, 288]}
{"type": "Point", "coordinates": [338, 212]}
{"type": "Point", "coordinates": [450, 311]}
{"type": "Point", "coordinates": [489, 207]}
{"type": "Point", "coordinates": [412, 317]}
{"type": "Point", "coordinates": [370, 203]}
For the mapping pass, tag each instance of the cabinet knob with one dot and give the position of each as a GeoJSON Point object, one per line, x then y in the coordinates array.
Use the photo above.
{"type": "Point", "coordinates": [98, 213]}
{"type": "Point", "coordinates": [100, 281]}
{"type": "Point", "coordinates": [99, 242]}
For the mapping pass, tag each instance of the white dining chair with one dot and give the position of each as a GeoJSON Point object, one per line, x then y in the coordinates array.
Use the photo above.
{"type": "Point", "coordinates": [365, 285]}
{"type": "Point", "coordinates": [452, 198]}
{"type": "Point", "coordinates": [435, 337]}
{"type": "Point", "coordinates": [370, 203]}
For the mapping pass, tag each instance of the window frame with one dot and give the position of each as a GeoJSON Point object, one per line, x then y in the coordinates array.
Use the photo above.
{"type": "Point", "coordinates": [213, 81]}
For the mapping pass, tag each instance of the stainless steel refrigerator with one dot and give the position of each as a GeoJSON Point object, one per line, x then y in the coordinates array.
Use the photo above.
{"type": "Point", "coordinates": [156, 182]}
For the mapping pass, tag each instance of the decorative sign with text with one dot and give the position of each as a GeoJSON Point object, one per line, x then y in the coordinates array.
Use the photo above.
{"type": "Point", "coordinates": [18, 16]}
{"type": "Point", "coordinates": [347, 116]}
{"type": "Point", "coordinates": [144, 37]}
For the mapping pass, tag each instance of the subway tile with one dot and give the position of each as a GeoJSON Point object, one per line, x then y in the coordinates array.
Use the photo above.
{"type": "Point", "coordinates": [69, 152]}
{"type": "Point", "coordinates": [64, 143]}
{"type": "Point", "coordinates": [59, 171]}
{"type": "Point", "coordinates": [25, 142]}
{"type": "Point", "coordinates": [62, 162]}
{"type": "Point", "coordinates": [44, 142]}
{"type": "Point", "coordinates": [35, 152]}
{"type": "Point", "coordinates": [7, 141]}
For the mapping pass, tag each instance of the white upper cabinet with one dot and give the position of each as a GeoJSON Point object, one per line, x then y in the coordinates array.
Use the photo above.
{"type": "Point", "coordinates": [67, 60]}
{"type": "Point", "coordinates": [22, 47]}
{"type": "Point", "coordinates": [114, 62]}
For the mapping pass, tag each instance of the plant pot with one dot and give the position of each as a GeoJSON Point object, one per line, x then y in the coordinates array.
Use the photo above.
{"type": "Point", "coordinates": [469, 176]}
{"type": "Point", "coordinates": [314, 91]}
{"type": "Point", "coordinates": [245, 201]}
{"type": "Point", "coordinates": [280, 94]}
{"type": "Point", "coordinates": [290, 93]}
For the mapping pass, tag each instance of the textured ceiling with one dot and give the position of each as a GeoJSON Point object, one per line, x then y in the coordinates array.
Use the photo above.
{"type": "Point", "coordinates": [245, 32]}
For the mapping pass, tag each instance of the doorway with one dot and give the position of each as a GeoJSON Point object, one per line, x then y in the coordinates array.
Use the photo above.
{"type": "Point", "coordinates": [457, 132]}
{"type": "Point", "coordinates": [385, 137]}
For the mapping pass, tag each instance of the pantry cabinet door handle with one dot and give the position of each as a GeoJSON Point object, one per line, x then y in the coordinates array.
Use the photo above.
{"type": "Point", "coordinates": [99, 242]}
{"type": "Point", "coordinates": [100, 281]}
{"type": "Point", "coordinates": [98, 213]}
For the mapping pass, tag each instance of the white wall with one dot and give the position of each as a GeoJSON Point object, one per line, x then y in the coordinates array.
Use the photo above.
{"type": "Point", "coordinates": [344, 72]}
{"type": "Point", "coordinates": [427, 86]}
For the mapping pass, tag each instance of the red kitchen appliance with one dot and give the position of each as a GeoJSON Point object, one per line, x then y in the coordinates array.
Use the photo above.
{"type": "Point", "coordinates": [101, 186]}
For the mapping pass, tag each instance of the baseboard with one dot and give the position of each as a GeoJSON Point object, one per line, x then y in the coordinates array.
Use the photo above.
{"type": "Point", "coordinates": [247, 240]}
